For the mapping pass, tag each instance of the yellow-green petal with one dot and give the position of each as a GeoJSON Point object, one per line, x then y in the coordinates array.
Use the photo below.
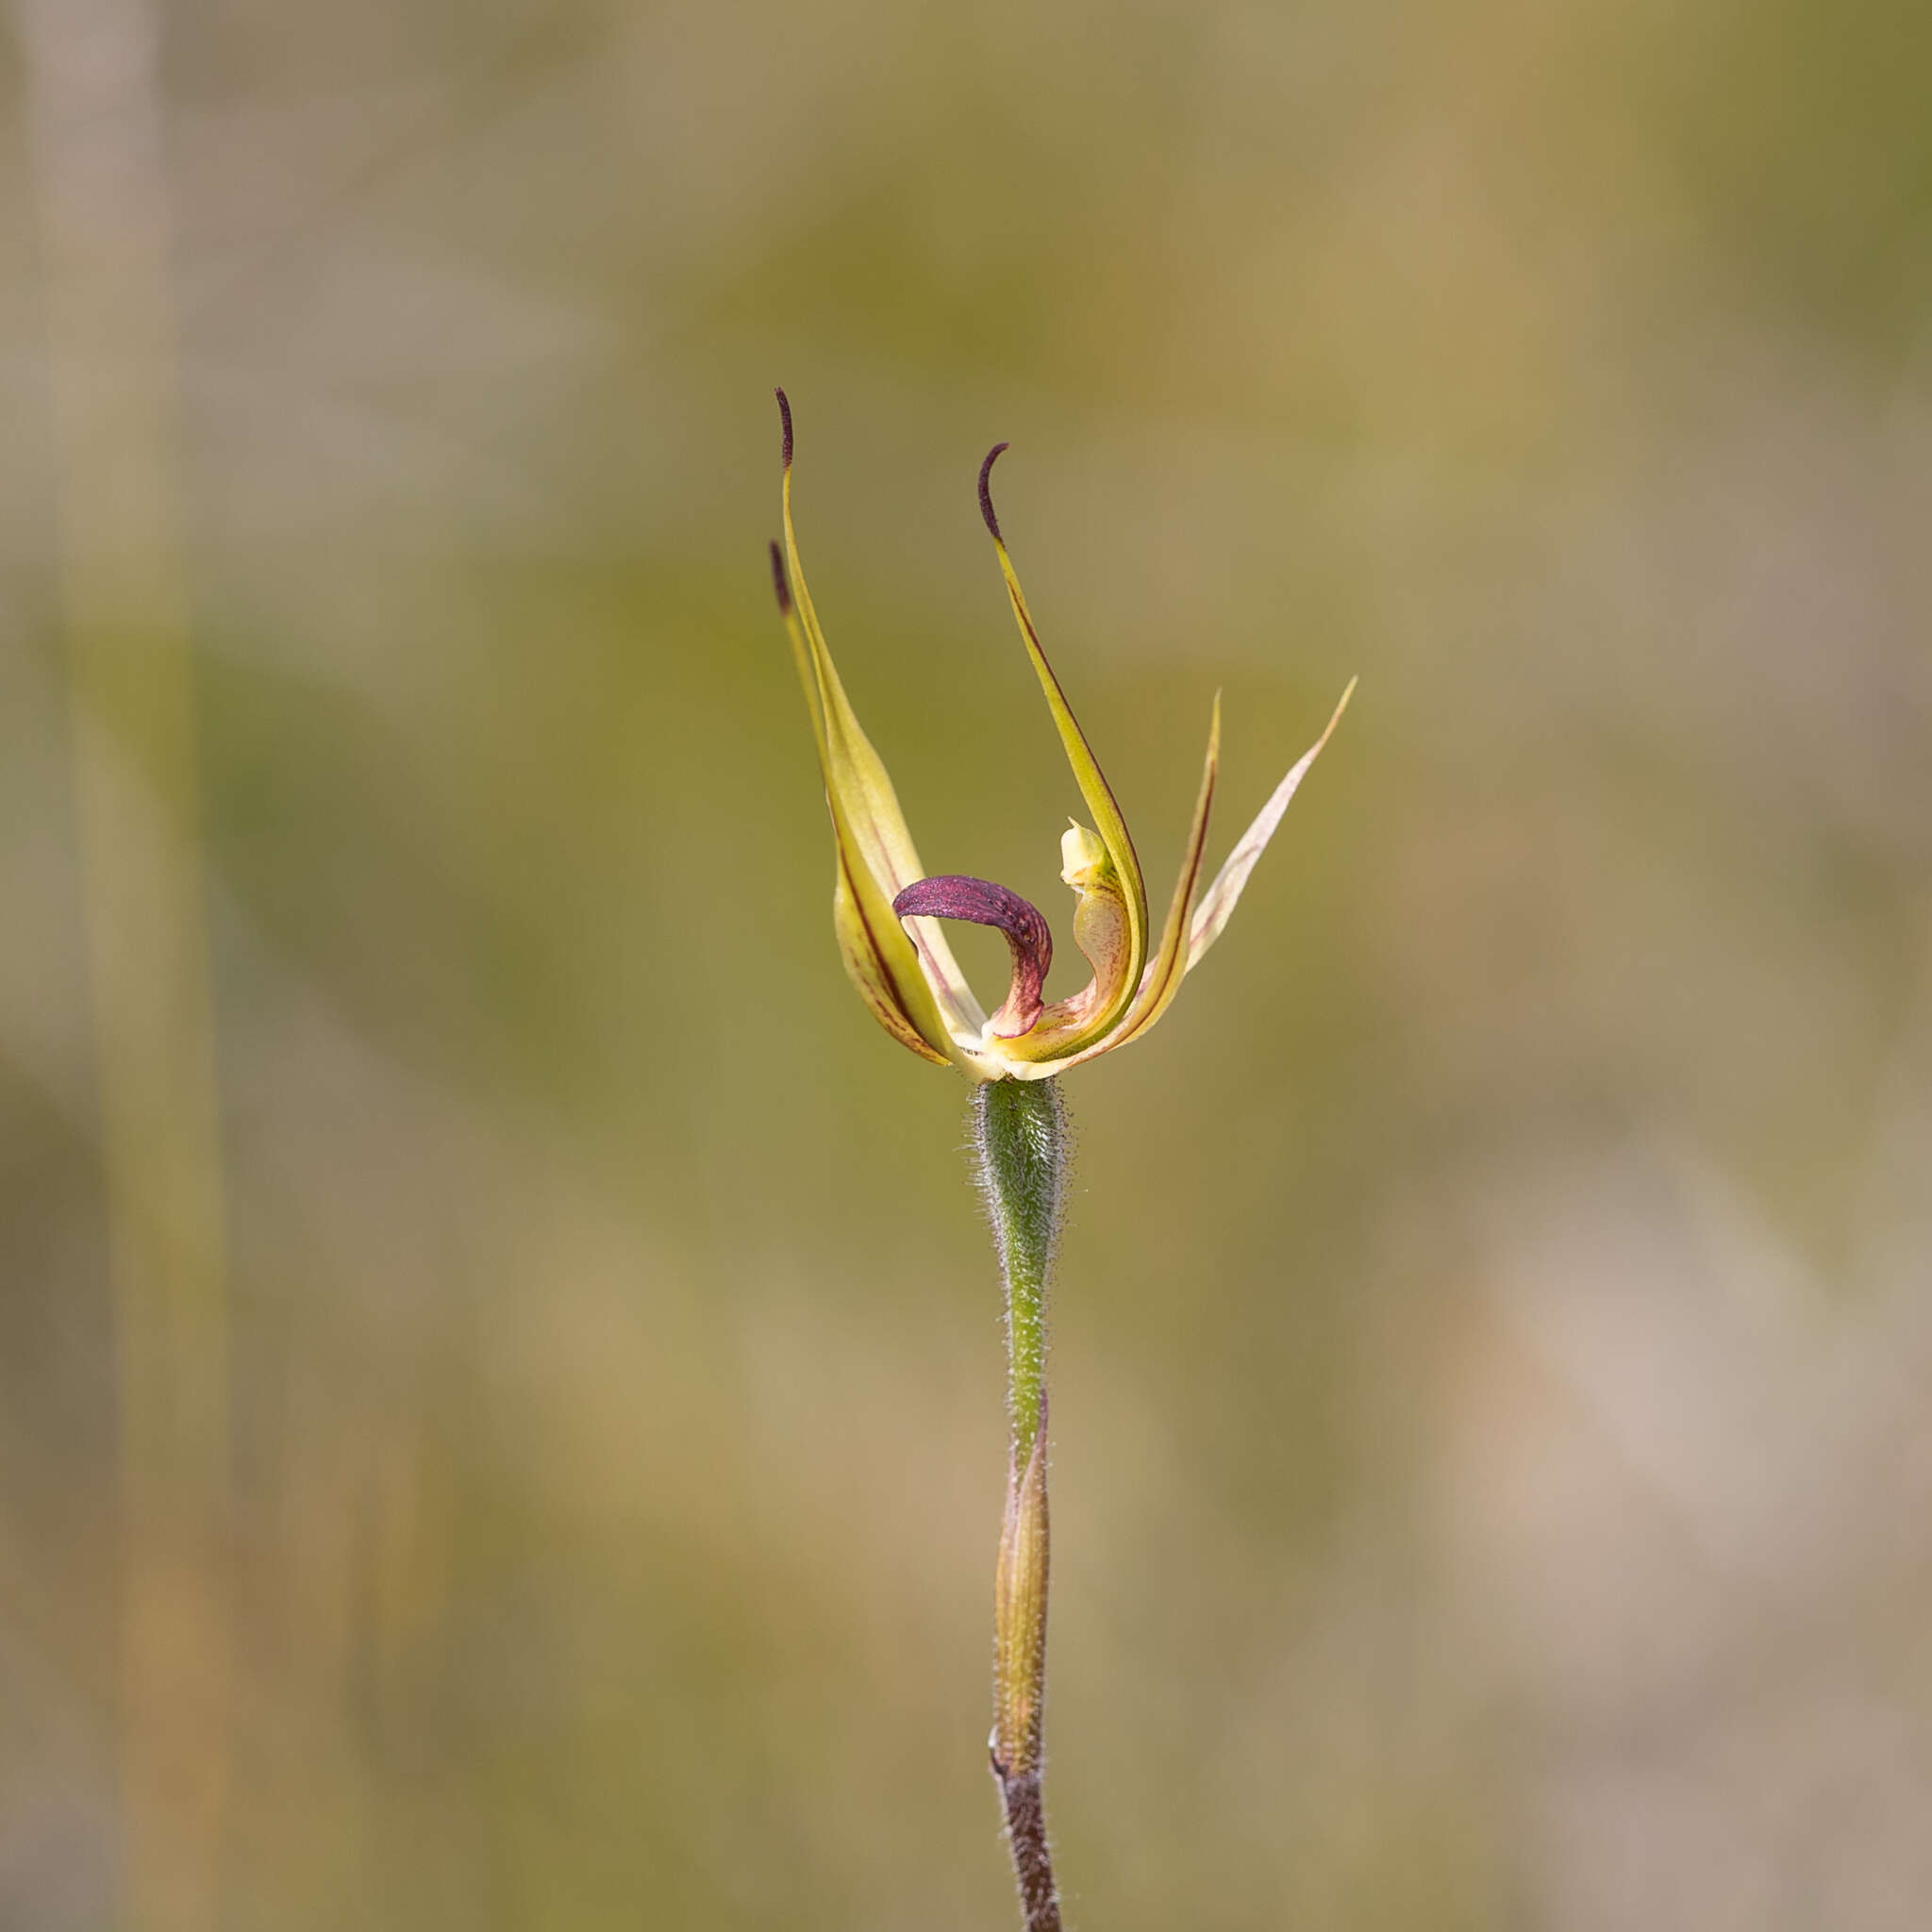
{"type": "Point", "coordinates": [877, 856]}
{"type": "Point", "coordinates": [1169, 965]}
{"type": "Point", "coordinates": [1218, 900]}
{"type": "Point", "coordinates": [878, 955]}
{"type": "Point", "coordinates": [1087, 775]}
{"type": "Point", "coordinates": [859, 948]}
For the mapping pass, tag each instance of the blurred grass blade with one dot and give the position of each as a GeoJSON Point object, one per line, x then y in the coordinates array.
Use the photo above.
{"type": "Point", "coordinates": [100, 181]}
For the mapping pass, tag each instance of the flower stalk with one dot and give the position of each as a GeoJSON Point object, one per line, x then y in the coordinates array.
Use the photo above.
{"type": "Point", "coordinates": [888, 913]}
{"type": "Point", "coordinates": [1022, 1142]}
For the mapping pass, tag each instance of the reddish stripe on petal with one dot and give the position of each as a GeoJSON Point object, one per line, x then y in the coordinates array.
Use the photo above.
{"type": "Point", "coordinates": [952, 895]}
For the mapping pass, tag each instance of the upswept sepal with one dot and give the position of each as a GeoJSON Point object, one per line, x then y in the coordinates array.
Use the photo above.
{"type": "Point", "coordinates": [876, 856]}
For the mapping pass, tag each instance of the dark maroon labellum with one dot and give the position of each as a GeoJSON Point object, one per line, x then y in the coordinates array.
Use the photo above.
{"type": "Point", "coordinates": [952, 895]}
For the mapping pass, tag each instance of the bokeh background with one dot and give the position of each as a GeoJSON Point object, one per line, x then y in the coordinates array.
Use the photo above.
{"type": "Point", "coordinates": [499, 1368]}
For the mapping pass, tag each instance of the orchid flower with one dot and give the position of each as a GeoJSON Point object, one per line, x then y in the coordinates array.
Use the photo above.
{"type": "Point", "coordinates": [885, 908]}
{"type": "Point", "coordinates": [886, 911]}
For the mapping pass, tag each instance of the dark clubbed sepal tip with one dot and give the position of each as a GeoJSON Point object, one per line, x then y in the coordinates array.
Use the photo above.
{"type": "Point", "coordinates": [986, 510]}
{"type": "Point", "coordinates": [778, 583]}
{"type": "Point", "coordinates": [784, 417]}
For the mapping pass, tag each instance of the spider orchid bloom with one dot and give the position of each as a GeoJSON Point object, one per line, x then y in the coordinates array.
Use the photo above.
{"type": "Point", "coordinates": [885, 908]}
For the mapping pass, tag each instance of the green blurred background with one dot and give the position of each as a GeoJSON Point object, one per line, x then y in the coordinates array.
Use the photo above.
{"type": "Point", "coordinates": [551, 1478]}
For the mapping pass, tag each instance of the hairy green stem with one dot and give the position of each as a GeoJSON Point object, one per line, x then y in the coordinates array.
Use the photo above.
{"type": "Point", "coordinates": [1020, 1130]}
